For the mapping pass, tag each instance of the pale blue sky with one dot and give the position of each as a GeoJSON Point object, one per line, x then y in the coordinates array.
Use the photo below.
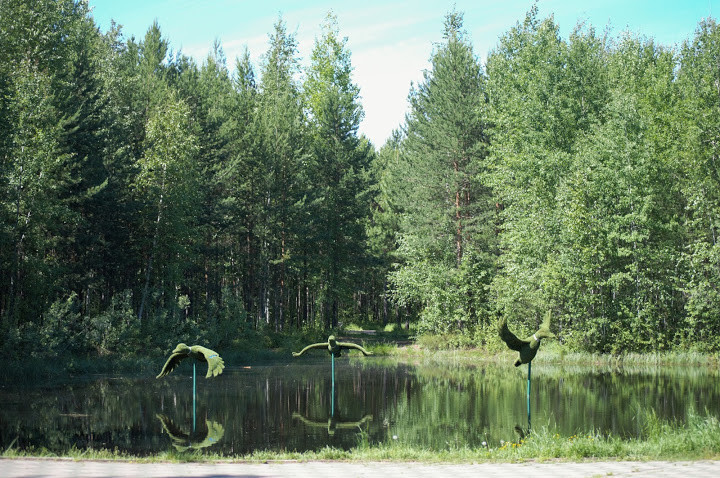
{"type": "Point", "coordinates": [390, 41]}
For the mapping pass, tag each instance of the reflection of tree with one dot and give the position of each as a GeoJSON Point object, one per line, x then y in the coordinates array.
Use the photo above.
{"type": "Point", "coordinates": [427, 405]}
{"type": "Point", "coordinates": [332, 423]}
{"type": "Point", "coordinates": [183, 441]}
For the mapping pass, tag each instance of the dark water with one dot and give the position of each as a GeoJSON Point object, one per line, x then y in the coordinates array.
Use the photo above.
{"type": "Point", "coordinates": [287, 406]}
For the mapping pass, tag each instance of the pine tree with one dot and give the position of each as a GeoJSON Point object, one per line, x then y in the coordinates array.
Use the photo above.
{"type": "Point", "coordinates": [41, 41]}
{"type": "Point", "coordinates": [281, 127]}
{"type": "Point", "coordinates": [447, 226]}
{"type": "Point", "coordinates": [83, 102]}
{"type": "Point", "coordinates": [338, 172]}
{"type": "Point", "coordinates": [244, 203]}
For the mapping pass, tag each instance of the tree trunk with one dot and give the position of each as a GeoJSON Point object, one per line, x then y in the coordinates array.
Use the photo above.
{"type": "Point", "coordinates": [148, 270]}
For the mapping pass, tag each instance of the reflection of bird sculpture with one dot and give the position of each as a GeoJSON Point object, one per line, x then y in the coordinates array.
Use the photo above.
{"type": "Point", "coordinates": [198, 352]}
{"type": "Point", "coordinates": [332, 424]}
{"type": "Point", "coordinates": [184, 441]}
{"type": "Point", "coordinates": [527, 347]}
{"type": "Point", "coordinates": [333, 347]}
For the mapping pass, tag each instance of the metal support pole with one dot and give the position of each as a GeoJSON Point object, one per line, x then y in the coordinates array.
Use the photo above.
{"type": "Point", "coordinates": [194, 393]}
{"type": "Point", "coordinates": [332, 398]}
{"type": "Point", "coordinates": [528, 394]}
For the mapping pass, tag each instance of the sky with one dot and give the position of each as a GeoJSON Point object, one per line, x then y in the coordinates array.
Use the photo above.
{"type": "Point", "coordinates": [390, 41]}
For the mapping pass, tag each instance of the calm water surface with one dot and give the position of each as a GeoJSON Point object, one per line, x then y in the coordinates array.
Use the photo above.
{"type": "Point", "coordinates": [288, 406]}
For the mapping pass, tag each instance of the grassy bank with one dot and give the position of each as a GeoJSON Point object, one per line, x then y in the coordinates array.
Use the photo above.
{"type": "Point", "coordinates": [699, 439]}
{"type": "Point", "coordinates": [550, 353]}
{"type": "Point", "coordinates": [396, 345]}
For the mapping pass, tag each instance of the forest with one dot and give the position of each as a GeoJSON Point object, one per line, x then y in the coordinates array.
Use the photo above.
{"type": "Point", "coordinates": [146, 197]}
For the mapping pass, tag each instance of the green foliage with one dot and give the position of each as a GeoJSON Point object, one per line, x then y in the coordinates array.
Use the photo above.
{"type": "Point", "coordinates": [592, 217]}
{"type": "Point", "coordinates": [447, 341]}
{"type": "Point", "coordinates": [114, 328]}
{"type": "Point", "coordinates": [698, 121]}
{"type": "Point", "coordinates": [445, 228]}
{"type": "Point", "coordinates": [338, 202]}
{"type": "Point", "coordinates": [144, 196]}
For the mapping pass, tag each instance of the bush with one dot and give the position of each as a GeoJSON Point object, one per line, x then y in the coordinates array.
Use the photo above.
{"type": "Point", "coordinates": [453, 340]}
{"type": "Point", "coordinates": [114, 328]}
{"type": "Point", "coordinates": [61, 330]}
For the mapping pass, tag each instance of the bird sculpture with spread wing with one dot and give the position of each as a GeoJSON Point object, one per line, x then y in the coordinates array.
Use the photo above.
{"type": "Point", "coordinates": [333, 347]}
{"type": "Point", "coordinates": [198, 352]}
{"type": "Point", "coordinates": [526, 347]}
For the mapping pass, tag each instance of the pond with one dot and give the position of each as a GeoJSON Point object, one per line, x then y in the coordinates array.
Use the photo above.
{"type": "Point", "coordinates": [288, 407]}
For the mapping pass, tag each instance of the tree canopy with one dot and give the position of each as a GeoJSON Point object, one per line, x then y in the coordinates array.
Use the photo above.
{"type": "Point", "coordinates": [146, 195]}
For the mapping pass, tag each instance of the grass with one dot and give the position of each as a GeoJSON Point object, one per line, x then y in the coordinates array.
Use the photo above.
{"type": "Point", "coordinates": [551, 353]}
{"type": "Point", "coordinates": [699, 439]}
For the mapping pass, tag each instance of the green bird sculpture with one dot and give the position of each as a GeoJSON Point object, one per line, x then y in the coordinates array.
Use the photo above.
{"type": "Point", "coordinates": [198, 352]}
{"type": "Point", "coordinates": [333, 347]}
{"type": "Point", "coordinates": [528, 347]}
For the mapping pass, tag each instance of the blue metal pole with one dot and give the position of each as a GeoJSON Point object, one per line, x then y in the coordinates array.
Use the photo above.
{"type": "Point", "coordinates": [528, 394]}
{"type": "Point", "coordinates": [332, 400]}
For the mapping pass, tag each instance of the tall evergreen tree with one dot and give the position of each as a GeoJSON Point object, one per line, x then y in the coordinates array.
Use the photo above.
{"type": "Point", "coordinates": [42, 43]}
{"type": "Point", "coordinates": [244, 205]}
{"type": "Point", "coordinates": [281, 123]}
{"type": "Point", "coordinates": [447, 233]}
{"type": "Point", "coordinates": [135, 75]}
{"type": "Point", "coordinates": [83, 103]}
{"type": "Point", "coordinates": [210, 94]}
{"type": "Point", "coordinates": [338, 172]}
{"type": "Point", "coordinates": [383, 225]}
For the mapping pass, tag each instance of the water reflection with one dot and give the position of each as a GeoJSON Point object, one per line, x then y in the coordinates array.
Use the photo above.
{"type": "Point", "coordinates": [333, 423]}
{"type": "Point", "coordinates": [289, 406]}
{"type": "Point", "coordinates": [195, 439]}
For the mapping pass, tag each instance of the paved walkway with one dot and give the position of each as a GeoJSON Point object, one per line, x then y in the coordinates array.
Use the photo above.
{"type": "Point", "coordinates": [37, 468]}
